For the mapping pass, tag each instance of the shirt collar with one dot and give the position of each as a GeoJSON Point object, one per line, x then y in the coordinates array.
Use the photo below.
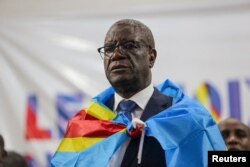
{"type": "Point", "coordinates": [141, 98]}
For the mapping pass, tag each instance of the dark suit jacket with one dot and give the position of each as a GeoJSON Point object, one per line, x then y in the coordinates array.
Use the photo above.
{"type": "Point", "coordinates": [152, 155]}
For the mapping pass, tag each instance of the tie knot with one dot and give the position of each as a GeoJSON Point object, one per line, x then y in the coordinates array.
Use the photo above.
{"type": "Point", "coordinates": [127, 106]}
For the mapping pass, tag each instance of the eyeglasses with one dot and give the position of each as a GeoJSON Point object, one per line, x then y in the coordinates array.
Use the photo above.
{"type": "Point", "coordinates": [130, 46]}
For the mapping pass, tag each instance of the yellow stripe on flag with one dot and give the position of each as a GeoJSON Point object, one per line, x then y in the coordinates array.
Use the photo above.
{"type": "Point", "coordinates": [100, 112]}
{"type": "Point", "coordinates": [77, 144]}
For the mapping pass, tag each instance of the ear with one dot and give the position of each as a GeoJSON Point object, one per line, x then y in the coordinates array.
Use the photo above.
{"type": "Point", "coordinates": [152, 57]}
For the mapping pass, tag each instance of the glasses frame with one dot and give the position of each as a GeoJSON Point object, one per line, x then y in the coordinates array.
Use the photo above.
{"type": "Point", "coordinates": [105, 56]}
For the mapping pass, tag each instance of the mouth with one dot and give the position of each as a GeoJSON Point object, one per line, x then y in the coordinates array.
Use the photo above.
{"type": "Point", "coordinates": [118, 68]}
{"type": "Point", "coordinates": [233, 149]}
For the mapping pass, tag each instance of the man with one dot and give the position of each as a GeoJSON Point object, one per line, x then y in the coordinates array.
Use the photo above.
{"type": "Point", "coordinates": [129, 55]}
{"type": "Point", "coordinates": [178, 131]}
{"type": "Point", "coordinates": [10, 158]}
{"type": "Point", "coordinates": [13, 159]}
{"type": "Point", "coordinates": [3, 153]}
{"type": "Point", "coordinates": [236, 134]}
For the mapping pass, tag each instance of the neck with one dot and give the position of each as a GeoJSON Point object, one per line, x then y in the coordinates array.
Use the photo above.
{"type": "Point", "coordinates": [128, 91]}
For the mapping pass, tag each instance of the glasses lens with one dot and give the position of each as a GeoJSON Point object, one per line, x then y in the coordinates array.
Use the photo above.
{"type": "Point", "coordinates": [130, 46]}
{"type": "Point", "coordinates": [109, 49]}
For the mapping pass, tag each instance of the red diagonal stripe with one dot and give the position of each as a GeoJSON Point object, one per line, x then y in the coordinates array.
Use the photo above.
{"type": "Point", "coordinates": [84, 125]}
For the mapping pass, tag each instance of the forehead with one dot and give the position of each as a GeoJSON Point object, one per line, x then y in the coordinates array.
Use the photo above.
{"type": "Point", "coordinates": [232, 125]}
{"type": "Point", "coordinates": [125, 32]}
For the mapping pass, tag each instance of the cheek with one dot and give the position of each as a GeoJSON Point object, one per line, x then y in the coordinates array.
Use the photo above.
{"type": "Point", "coordinates": [105, 64]}
{"type": "Point", "coordinates": [246, 141]}
{"type": "Point", "coordinates": [142, 68]}
{"type": "Point", "coordinates": [144, 63]}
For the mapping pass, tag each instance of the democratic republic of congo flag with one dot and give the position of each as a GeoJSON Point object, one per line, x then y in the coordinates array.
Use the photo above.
{"type": "Point", "coordinates": [186, 131]}
{"type": "Point", "coordinates": [90, 139]}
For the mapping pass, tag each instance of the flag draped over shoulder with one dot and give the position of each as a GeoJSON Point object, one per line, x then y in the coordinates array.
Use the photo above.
{"type": "Point", "coordinates": [186, 131]}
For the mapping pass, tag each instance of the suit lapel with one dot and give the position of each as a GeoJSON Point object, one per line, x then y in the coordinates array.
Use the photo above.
{"type": "Point", "coordinates": [157, 103]}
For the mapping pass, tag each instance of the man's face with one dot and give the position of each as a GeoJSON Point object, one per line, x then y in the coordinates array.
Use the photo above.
{"type": "Point", "coordinates": [236, 135]}
{"type": "Point", "coordinates": [128, 66]}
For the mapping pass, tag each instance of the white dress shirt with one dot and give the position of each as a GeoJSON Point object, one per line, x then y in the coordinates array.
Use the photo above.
{"type": "Point", "coordinates": [141, 99]}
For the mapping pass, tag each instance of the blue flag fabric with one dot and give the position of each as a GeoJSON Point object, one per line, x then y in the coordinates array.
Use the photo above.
{"type": "Point", "coordinates": [186, 131]}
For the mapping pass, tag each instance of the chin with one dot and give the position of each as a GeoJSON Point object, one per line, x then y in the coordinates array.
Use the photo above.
{"type": "Point", "coordinates": [121, 80]}
{"type": "Point", "coordinates": [234, 149]}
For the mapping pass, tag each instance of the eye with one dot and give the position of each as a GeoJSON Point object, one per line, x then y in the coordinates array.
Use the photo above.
{"type": "Point", "coordinates": [225, 134]}
{"type": "Point", "coordinates": [109, 49]}
{"type": "Point", "coordinates": [240, 133]}
{"type": "Point", "coordinates": [129, 46]}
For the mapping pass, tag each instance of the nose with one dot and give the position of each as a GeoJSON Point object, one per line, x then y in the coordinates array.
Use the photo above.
{"type": "Point", "coordinates": [117, 53]}
{"type": "Point", "coordinates": [232, 139]}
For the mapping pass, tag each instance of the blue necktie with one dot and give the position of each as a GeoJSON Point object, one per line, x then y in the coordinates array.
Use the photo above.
{"type": "Point", "coordinates": [127, 107]}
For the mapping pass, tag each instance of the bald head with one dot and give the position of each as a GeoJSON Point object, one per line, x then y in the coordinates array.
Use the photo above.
{"type": "Point", "coordinates": [236, 134]}
{"type": "Point", "coordinates": [139, 27]}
